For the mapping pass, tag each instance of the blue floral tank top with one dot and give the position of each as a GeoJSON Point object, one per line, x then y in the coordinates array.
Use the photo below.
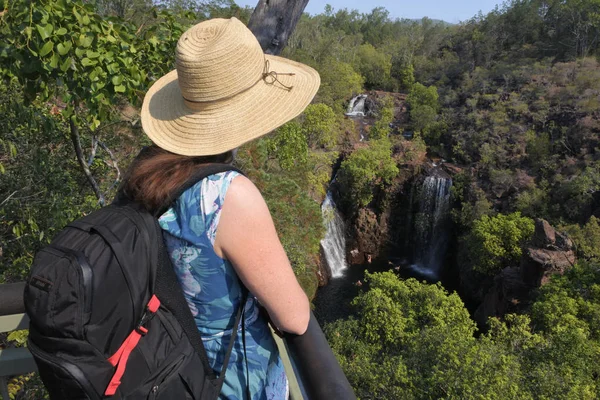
{"type": "Point", "coordinates": [213, 293]}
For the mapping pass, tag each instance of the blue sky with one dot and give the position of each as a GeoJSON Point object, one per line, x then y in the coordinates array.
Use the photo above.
{"type": "Point", "coordinates": [447, 10]}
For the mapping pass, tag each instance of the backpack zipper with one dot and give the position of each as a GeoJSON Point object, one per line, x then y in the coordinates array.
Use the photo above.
{"type": "Point", "coordinates": [70, 368]}
{"type": "Point", "coordinates": [87, 276]}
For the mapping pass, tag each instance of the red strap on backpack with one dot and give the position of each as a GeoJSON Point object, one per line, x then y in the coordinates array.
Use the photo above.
{"type": "Point", "coordinates": [119, 359]}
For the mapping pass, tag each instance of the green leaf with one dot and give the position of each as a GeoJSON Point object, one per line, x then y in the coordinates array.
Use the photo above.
{"type": "Point", "coordinates": [117, 80]}
{"type": "Point", "coordinates": [94, 75]}
{"type": "Point", "coordinates": [47, 48]}
{"type": "Point", "coordinates": [45, 31]}
{"type": "Point", "coordinates": [79, 52]}
{"type": "Point", "coordinates": [92, 54]}
{"type": "Point", "coordinates": [66, 64]}
{"type": "Point", "coordinates": [86, 40]}
{"type": "Point", "coordinates": [54, 60]}
{"type": "Point", "coordinates": [85, 20]}
{"type": "Point", "coordinates": [77, 15]}
{"type": "Point", "coordinates": [153, 41]}
{"type": "Point", "coordinates": [86, 62]}
{"type": "Point", "coordinates": [2, 170]}
{"type": "Point", "coordinates": [61, 31]}
{"type": "Point", "coordinates": [120, 89]}
{"type": "Point", "coordinates": [63, 48]}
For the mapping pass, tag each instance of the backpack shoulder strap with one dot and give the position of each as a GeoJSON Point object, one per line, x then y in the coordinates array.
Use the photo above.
{"type": "Point", "coordinates": [168, 290]}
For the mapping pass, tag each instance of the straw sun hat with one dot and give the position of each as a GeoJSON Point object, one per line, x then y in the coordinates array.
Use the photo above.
{"type": "Point", "coordinates": [224, 92]}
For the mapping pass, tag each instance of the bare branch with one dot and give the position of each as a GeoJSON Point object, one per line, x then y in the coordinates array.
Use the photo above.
{"type": "Point", "coordinates": [94, 149]}
{"type": "Point", "coordinates": [74, 134]}
{"type": "Point", "coordinates": [114, 163]}
{"type": "Point", "coordinates": [8, 198]}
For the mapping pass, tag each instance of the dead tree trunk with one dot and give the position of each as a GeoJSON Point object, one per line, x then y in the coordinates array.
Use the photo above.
{"type": "Point", "coordinates": [273, 21]}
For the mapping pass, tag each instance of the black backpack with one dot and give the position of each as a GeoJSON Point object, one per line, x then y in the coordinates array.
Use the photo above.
{"type": "Point", "coordinates": [108, 316]}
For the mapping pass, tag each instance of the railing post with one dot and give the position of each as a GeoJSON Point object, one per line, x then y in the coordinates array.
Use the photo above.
{"type": "Point", "coordinates": [11, 298]}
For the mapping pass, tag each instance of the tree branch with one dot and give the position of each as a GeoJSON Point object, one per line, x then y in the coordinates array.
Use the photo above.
{"type": "Point", "coordinates": [273, 21]}
{"type": "Point", "coordinates": [74, 134]}
{"type": "Point", "coordinates": [114, 162]}
{"type": "Point", "coordinates": [94, 149]}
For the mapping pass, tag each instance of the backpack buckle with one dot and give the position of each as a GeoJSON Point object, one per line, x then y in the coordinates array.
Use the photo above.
{"type": "Point", "coordinates": [146, 317]}
{"type": "Point", "coordinates": [149, 313]}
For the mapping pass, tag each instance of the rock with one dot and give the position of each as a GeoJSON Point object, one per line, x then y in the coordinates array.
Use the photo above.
{"type": "Point", "coordinates": [507, 295]}
{"type": "Point", "coordinates": [544, 236]}
{"type": "Point", "coordinates": [452, 169]}
{"type": "Point", "coordinates": [538, 265]}
{"type": "Point", "coordinates": [356, 257]}
{"type": "Point", "coordinates": [323, 272]}
{"type": "Point", "coordinates": [550, 252]}
{"type": "Point", "coordinates": [370, 233]}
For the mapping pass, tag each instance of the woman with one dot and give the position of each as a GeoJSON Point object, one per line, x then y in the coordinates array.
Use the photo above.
{"type": "Point", "coordinates": [225, 92]}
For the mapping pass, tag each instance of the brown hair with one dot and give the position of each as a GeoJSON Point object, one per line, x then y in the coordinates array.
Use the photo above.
{"type": "Point", "coordinates": [156, 174]}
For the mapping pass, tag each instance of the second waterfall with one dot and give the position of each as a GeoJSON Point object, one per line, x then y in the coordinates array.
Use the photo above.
{"type": "Point", "coordinates": [334, 244]}
{"type": "Point", "coordinates": [430, 232]}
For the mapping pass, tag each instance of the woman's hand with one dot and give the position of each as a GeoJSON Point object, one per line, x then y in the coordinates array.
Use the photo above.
{"type": "Point", "coordinates": [247, 237]}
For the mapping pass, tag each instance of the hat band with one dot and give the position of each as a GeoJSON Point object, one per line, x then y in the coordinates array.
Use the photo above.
{"type": "Point", "coordinates": [269, 77]}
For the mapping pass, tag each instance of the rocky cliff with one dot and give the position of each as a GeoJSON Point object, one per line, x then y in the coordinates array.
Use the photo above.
{"type": "Point", "coordinates": [550, 252]}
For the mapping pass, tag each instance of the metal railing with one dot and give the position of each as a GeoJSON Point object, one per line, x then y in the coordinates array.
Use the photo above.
{"type": "Point", "coordinates": [314, 372]}
{"type": "Point", "coordinates": [12, 318]}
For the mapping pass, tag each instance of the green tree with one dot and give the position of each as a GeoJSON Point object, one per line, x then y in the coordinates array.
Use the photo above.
{"type": "Point", "coordinates": [374, 65]}
{"type": "Point", "coordinates": [65, 50]}
{"type": "Point", "coordinates": [412, 341]}
{"type": "Point", "coordinates": [382, 129]}
{"type": "Point", "coordinates": [320, 126]}
{"type": "Point", "coordinates": [289, 146]}
{"type": "Point", "coordinates": [586, 238]}
{"type": "Point", "coordinates": [496, 242]}
{"type": "Point", "coordinates": [424, 105]}
{"type": "Point", "coordinates": [339, 82]}
{"type": "Point", "coordinates": [365, 169]}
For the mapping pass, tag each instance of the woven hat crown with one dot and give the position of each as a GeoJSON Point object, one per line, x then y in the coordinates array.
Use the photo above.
{"type": "Point", "coordinates": [217, 59]}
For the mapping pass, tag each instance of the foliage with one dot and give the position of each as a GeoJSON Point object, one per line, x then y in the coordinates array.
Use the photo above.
{"type": "Point", "coordinates": [296, 215]}
{"type": "Point", "coordinates": [40, 182]}
{"type": "Point", "coordinates": [374, 65]}
{"type": "Point", "coordinates": [496, 242]}
{"type": "Point", "coordinates": [64, 49]}
{"type": "Point", "coordinates": [64, 53]}
{"type": "Point", "coordinates": [535, 202]}
{"type": "Point", "coordinates": [381, 129]}
{"type": "Point", "coordinates": [411, 340]}
{"type": "Point", "coordinates": [577, 194]}
{"type": "Point", "coordinates": [289, 145]}
{"type": "Point", "coordinates": [586, 238]}
{"type": "Point", "coordinates": [365, 169]}
{"type": "Point", "coordinates": [424, 105]}
{"type": "Point", "coordinates": [339, 82]}
{"type": "Point", "coordinates": [320, 126]}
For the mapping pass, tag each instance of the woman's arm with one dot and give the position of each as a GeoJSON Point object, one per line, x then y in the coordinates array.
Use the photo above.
{"type": "Point", "coordinates": [246, 236]}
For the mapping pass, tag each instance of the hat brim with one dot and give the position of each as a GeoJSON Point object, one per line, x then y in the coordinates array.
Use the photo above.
{"type": "Point", "coordinates": [219, 126]}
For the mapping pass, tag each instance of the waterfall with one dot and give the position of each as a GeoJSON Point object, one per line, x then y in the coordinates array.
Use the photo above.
{"type": "Point", "coordinates": [334, 244]}
{"type": "Point", "coordinates": [431, 226]}
{"type": "Point", "coordinates": [356, 108]}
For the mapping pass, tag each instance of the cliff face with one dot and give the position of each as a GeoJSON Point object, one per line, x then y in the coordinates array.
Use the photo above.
{"type": "Point", "coordinates": [549, 253]}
